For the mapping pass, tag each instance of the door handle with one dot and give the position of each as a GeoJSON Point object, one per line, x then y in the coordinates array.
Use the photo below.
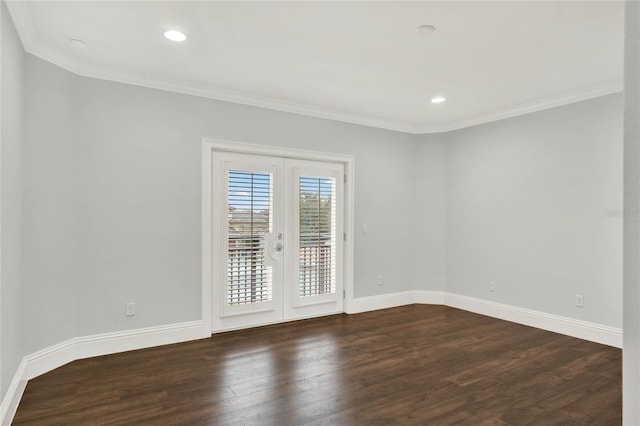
{"type": "Point", "coordinates": [273, 245]}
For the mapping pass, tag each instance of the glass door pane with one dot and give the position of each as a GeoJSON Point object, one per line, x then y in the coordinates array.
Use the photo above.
{"type": "Point", "coordinates": [317, 235]}
{"type": "Point", "coordinates": [250, 219]}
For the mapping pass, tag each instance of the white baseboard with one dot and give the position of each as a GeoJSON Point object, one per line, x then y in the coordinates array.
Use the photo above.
{"type": "Point", "coordinates": [558, 324]}
{"type": "Point", "coordinates": [571, 327]}
{"type": "Point", "coordinates": [108, 343]}
{"type": "Point", "coordinates": [381, 301]}
{"type": "Point", "coordinates": [384, 301]}
{"type": "Point", "coordinates": [14, 394]}
{"type": "Point", "coordinates": [140, 338]}
{"type": "Point", "coordinates": [56, 356]}
{"type": "Point", "coordinates": [429, 297]}
{"type": "Point", "coordinates": [49, 359]}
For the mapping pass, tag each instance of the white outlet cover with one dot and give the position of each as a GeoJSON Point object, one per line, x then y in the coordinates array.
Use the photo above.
{"type": "Point", "coordinates": [130, 309]}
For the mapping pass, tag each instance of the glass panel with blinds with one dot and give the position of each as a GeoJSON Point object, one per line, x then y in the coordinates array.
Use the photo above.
{"type": "Point", "coordinates": [250, 218]}
{"type": "Point", "coordinates": [317, 236]}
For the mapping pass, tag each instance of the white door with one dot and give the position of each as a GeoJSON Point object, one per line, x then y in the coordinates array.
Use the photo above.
{"type": "Point", "coordinates": [278, 224]}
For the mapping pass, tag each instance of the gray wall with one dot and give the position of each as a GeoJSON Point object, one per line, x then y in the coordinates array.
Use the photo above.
{"type": "Point", "coordinates": [534, 204]}
{"type": "Point", "coordinates": [52, 208]}
{"type": "Point", "coordinates": [631, 343]}
{"type": "Point", "coordinates": [113, 201]}
{"type": "Point", "coordinates": [429, 212]}
{"type": "Point", "coordinates": [11, 350]}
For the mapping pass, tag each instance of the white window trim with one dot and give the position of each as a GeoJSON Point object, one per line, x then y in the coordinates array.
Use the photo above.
{"type": "Point", "coordinates": [208, 147]}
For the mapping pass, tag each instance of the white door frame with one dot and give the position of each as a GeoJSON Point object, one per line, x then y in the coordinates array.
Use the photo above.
{"type": "Point", "coordinates": [210, 249]}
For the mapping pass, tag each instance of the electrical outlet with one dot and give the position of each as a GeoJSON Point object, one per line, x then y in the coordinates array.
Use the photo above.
{"type": "Point", "coordinates": [130, 309]}
{"type": "Point", "coordinates": [365, 228]}
{"type": "Point", "coordinates": [379, 280]}
{"type": "Point", "coordinates": [579, 301]}
{"type": "Point", "coordinates": [492, 286]}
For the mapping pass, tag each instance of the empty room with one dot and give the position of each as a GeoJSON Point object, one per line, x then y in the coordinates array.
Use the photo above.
{"type": "Point", "coordinates": [320, 213]}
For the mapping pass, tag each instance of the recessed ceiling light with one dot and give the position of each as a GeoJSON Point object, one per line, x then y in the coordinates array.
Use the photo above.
{"type": "Point", "coordinates": [437, 100]}
{"type": "Point", "coordinates": [77, 42]}
{"type": "Point", "coordinates": [174, 35]}
{"type": "Point", "coordinates": [425, 30]}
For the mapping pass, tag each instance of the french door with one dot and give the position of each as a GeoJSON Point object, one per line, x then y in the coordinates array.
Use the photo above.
{"type": "Point", "coordinates": [278, 228]}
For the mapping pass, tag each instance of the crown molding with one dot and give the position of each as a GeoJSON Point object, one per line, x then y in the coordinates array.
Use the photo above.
{"type": "Point", "coordinates": [540, 104]}
{"type": "Point", "coordinates": [23, 21]}
{"type": "Point", "coordinates": [25, 27]}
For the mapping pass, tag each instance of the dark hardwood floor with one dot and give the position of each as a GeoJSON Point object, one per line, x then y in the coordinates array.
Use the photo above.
{"type": "Point", "coordinates": [417, 364]}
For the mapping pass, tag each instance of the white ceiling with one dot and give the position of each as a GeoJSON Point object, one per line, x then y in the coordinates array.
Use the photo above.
{"type": "Point", "coordinates": [358, 62]}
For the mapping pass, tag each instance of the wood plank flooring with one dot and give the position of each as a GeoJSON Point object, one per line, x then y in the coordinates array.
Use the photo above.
{"type": "Point", "coordinates": [418, 364]}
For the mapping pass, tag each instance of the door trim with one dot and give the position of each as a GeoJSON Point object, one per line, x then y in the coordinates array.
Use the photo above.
{"type": "Point", "coordinates": [210, 249]}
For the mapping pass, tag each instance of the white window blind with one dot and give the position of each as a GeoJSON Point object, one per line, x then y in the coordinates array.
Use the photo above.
{"type": "Point", "coordinates": [317, 257]}
{"type": "Point", "coordinates": [250, 217]}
